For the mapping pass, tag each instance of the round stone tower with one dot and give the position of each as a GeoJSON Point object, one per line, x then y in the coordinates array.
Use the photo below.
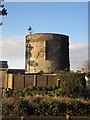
{"type": "Point", "coordinates": [46, 53]}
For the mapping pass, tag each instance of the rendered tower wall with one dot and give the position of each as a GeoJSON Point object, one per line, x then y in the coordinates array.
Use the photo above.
{"type": "Point", "coordinates": [46, 53]}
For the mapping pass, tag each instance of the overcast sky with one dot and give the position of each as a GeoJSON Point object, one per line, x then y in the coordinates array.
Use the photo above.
{"type": "Point", "coordinates": [69, 18]}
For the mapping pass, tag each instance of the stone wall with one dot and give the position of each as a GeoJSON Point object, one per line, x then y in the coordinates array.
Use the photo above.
{"type": "Point", "coordinates": [46, 53]}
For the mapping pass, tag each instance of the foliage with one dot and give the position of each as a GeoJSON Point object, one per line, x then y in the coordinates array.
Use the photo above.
{"type": "Point", "coordinates": [1, 110]}
{"type": "Point", "coordinates": [44, 107]}
{"type": "Point", "coordinates": [72, 84]}
{"type": "Point", "coordinates": [49, 90]}
{"type": "Point", "coordinates": [16, 107]}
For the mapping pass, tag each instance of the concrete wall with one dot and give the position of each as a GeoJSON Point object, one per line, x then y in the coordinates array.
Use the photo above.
{"type": "Point", "coordinates": [3, 73]}
{"type": "Point", "coordinates": [3, 78]}
{"type": "Point", "coordinates": [22, 81]}
{"type": "Point", "coordinates": [46, 53]}
{"type": "Point", "coordinates": [9, 82]}
{"type": "Point", "coordinates": [29, 80]}
{"type": "Point", "coordinates": [3, 64]}
{"type": "Point", "coordinates": [18, 81]}
{"type": "Point", "coordinates": [41, 80]}
{"type": "Point", "coordinates": [16, 71]}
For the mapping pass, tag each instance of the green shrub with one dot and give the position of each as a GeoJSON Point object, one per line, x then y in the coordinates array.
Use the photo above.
{"type": "Point", "coordinates": [1, 110]}
{"type": "Point", "coordinates": [7, 93]}
{"type": "Point", "coordinates": [16, 107]}
{"type": "Point", "coordinates": [54, 108]}
{"type": "Point", "coordinates": [72, 84]}
{"type": "Point", "coordinates": [44, 107]}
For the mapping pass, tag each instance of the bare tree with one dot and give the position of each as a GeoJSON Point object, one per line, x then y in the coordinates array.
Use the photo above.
{"type": "Point", "coordinates": [3, 12]}
{"type": "Point", "coordinates": [86, 66]}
